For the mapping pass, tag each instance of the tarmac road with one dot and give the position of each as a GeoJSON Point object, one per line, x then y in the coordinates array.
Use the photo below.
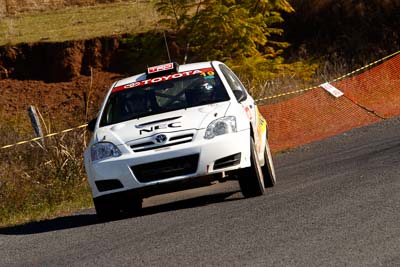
{"type": "Point", "coordinates": [337, 203]}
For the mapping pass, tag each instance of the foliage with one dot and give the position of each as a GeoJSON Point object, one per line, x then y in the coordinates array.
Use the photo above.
{"type": "Point", "coordinates": [356, 32]}
{"type": "Point", "coordinates": [242, 33]}
{"type": "Point", "coordinates": [255, 72]}
{"type": "Point", "coordinates": [147, 49]}
{"type": "Point", "coordinates": [232, 30]}
{"type": "Point", "coordinates": [175, 12]}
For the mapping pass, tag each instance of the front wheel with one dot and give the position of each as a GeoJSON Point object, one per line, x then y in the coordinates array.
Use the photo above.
{"type": "Point", "coordinates": [268, 169]}
{"type": "Point", "coordinates": [251, 179]}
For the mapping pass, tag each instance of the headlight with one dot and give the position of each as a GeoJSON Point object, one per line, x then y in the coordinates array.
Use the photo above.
{"type": "Point", "coordinates": [221, 126]}
{"type": "Point", "coordinates": [104, 150]}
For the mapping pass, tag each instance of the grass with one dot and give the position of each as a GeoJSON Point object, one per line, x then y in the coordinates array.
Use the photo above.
{"type": "Point", "coordinates": [40, 181]}
{"type": "Point", "coordinates": [77, 23]}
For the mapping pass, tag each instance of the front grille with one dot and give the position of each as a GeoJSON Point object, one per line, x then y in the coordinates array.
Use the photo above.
{"type": "Point", "coordinates": [172, 141]}
{"type": "Point", "coordinates": [165, 169]}
{"type": "Point", "coordinates": [141, 145]}
{"type": "Point", "coordinates": [182, 137]}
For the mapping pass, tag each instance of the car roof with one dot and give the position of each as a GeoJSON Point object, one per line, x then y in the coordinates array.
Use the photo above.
{"type": "Point", "coordinates": [182, 68]}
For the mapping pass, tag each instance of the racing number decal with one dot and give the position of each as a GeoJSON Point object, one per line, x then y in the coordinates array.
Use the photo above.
{"type": "Point", "coordinates": [208, 73]}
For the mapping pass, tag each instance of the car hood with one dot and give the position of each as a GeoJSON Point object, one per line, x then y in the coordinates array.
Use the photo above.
{"type": "Point", "coordinates": [194, 118]}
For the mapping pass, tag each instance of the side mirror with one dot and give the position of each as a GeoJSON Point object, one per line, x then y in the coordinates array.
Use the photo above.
{"type": "Point", "coordinates": [240, 95]}
{"type": "Point", "coordinates": [91, 125]}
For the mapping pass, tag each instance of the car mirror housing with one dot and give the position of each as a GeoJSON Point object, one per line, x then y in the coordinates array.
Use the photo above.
{"type": "Point", "coordinates": [240, 95]}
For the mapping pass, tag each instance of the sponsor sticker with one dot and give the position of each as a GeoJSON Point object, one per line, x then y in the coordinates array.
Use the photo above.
{"type": "Point", "coordinates": [332, 90]}
{"type": "Point", "coordinates": [160, 68]}
{"type": "Point", "coordinates": [248, 113]}
{"type": "Point", "coordinates": [204, 72]}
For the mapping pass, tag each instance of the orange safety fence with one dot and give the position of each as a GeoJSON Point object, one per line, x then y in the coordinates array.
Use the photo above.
{"type": "Point", "coordinates": [377, 89]}
{"type": "Point", "coordinates": [368, 97]}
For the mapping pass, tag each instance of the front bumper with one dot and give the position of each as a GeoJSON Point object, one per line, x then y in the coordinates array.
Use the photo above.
{"type": "Point", "coordinates": [167, 166]}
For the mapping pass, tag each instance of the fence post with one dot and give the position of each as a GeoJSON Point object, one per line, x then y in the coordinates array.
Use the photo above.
{"type": "Point", "coordinates": [37, 127]}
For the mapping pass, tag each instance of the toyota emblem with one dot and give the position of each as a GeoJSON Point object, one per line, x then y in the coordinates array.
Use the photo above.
{"type": "Point", "coordinates": [161, 139]}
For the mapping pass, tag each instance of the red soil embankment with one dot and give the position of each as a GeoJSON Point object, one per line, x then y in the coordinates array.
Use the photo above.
{"type": "Point", "coordinates": [56, 100]}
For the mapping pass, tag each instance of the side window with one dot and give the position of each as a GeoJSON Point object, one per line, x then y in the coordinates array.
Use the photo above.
{"type": "Point", "coordinates": [237, 87]}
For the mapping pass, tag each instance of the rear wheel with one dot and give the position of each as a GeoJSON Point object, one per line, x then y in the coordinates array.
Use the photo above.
{"type": "Point", "coordinates": [268, 169]}
{"type": "Point", "coordinates": [251, 179]}
{"type": "Point", "coordinates": [116, 206]}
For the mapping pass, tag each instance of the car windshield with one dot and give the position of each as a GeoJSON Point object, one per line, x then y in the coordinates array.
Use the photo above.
{"type": "Point", "coordinates": [163, 94]}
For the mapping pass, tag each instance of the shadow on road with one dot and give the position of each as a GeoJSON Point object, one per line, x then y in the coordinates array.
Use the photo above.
{"type": "Point", "coordinates": [79, 220]}
{"type": "Point", "coordinates": [190, 203]}
{"type": "Point", "coordinates": [61, 223]}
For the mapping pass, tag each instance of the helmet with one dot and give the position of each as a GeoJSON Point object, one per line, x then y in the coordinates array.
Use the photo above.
{"type": "Point", "coordinates": [200, 93]}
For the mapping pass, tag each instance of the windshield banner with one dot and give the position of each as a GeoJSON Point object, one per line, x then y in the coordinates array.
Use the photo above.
{"type": "Point", "coordinates": [205, 72]}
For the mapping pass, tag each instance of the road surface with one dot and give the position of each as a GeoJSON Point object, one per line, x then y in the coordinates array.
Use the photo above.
{"type": "Point", "coordinates": [336, 203]}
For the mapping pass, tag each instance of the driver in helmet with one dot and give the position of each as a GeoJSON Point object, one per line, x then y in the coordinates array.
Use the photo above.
{"type": "Point", "coordinates": [202, 93]}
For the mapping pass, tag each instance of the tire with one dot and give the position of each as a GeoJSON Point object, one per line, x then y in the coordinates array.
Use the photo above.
{"type": "Point", "coordinates": [251, 179]}
{"type": "Point", "coordinates": [268, 169]}
{"type": "Point", "coordinates": [116, 206]}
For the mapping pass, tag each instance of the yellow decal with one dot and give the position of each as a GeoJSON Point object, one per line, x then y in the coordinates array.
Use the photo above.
{"type": "Point", "coordinates": [261, 124]}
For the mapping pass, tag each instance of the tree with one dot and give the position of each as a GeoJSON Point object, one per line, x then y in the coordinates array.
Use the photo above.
{"type": "Point", "coordinates": [242, 33]}
{"type": "Point", "coordinates": [230, 30]}
{"type": "Point", "coordinates": [175, 12]}
{"type": "Point", "coordinates": [354, 32]}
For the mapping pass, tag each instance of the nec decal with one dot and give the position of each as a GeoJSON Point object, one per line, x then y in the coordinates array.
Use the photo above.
{"type": "Point", "coordinates": [161, 126]}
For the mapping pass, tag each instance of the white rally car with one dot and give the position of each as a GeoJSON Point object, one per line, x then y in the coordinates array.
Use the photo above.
{"type": "Point", "coordinates": [175, 127]}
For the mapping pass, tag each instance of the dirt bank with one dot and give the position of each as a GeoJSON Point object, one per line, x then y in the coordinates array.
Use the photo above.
{"type": "Point", "coordinates": [54, 76]}
{"type": "Point", "coordinates": [56, 100]}
{"type": "Point", "coordinates": [58, 62]}
{"type": "Point", "coordinates": [64, 61]}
